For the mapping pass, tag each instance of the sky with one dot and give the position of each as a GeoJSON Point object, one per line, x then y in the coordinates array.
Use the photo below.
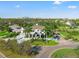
{"type": "Point", "coordinates": [39, 9]}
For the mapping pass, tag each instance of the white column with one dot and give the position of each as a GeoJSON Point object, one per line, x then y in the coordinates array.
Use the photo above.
{"type": "Point", "coordinates": [35, 36]}
{"type": "Point", "coordinates": [32, 35]}
{"type": "Point", "coordinates": [29, 35]}
{"type": "Point", "coordinates": [40, 35]}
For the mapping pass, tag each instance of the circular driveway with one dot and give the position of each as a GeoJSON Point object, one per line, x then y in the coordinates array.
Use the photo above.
{"type": "Point", "coordinates": [48, 50]}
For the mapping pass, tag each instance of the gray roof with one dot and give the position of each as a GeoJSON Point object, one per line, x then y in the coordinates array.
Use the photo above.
{"type": "Point", "coordinates": [15, 27]}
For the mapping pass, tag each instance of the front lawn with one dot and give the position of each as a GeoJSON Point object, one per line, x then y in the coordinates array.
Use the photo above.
{"type": "Point", "coordinates": [66, 53]}
{"type": "Point", "coordinates": [45, 43]}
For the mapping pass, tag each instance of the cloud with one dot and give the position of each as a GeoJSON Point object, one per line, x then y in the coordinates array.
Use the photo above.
{"type": "Point", "coordinates": [57, 2]}
{"type": "Point", "coordinates": [72, 7]}
{"type": "Point", "coordinates": [17, 6]}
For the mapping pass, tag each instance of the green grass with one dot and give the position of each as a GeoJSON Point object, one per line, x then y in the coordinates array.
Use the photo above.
{"type": "Point", "coordinates": [66, 53]}
{"type": "Point", "coordinates": [3, 33]}
{"type": "Point", "coordinates": [43, 43]}
{"type": "Point", "coordinates": [6, 34]}
{"type": "Point", "coordinates": [64, 33]}
{"type": "Point", "coordinates": [70, 35]}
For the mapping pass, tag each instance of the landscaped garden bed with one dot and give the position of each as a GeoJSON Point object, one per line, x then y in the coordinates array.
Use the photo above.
{"type": "Point", "coordinates": [45, 43]}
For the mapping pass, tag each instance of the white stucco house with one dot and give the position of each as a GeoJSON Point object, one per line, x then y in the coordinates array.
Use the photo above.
{"type": "Point", "coordinates": [15, 28]}
{"type": "Point", "coordinates": [70, 23]}
{"type": "Point", "coordinates": [20, 38]}
{"type": "Point", "coordinates": [37, 31]}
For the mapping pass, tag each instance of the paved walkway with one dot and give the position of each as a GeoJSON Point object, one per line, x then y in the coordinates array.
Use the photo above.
{"type": "Point", "coordinates": [47, 50]}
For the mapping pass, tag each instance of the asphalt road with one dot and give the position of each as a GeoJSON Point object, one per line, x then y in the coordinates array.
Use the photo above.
{"type": "Point", "coordinates": [48, 50]}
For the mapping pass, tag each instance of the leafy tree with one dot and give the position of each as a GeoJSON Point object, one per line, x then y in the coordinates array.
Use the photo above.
{"type": "Point", "coordinates": [24, 47]}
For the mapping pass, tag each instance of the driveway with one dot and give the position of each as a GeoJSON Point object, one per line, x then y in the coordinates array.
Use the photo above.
{"type": "Point", "coordinates": [47, 50]}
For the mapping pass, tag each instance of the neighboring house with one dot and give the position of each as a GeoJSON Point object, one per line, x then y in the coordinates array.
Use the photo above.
{"type": "Point", "coordinates": [21, 36]}
{"type": "Point", "coordinates": [71, 23]}
{"type": "Point", "coordinates": [37, 31]}
{"type": "Point", "coordinates": [15, 28]}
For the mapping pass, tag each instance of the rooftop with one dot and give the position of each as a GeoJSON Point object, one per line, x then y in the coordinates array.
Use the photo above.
{"type": "Point", "coordinates": [38, 27]}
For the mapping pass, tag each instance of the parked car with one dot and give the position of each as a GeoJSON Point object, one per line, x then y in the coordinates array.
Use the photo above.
{"type": "Point", "coordinates": [34, 50]}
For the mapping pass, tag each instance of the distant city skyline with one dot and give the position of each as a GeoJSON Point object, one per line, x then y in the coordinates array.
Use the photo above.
{"type": "Point", "coordinates": [39, 9]}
